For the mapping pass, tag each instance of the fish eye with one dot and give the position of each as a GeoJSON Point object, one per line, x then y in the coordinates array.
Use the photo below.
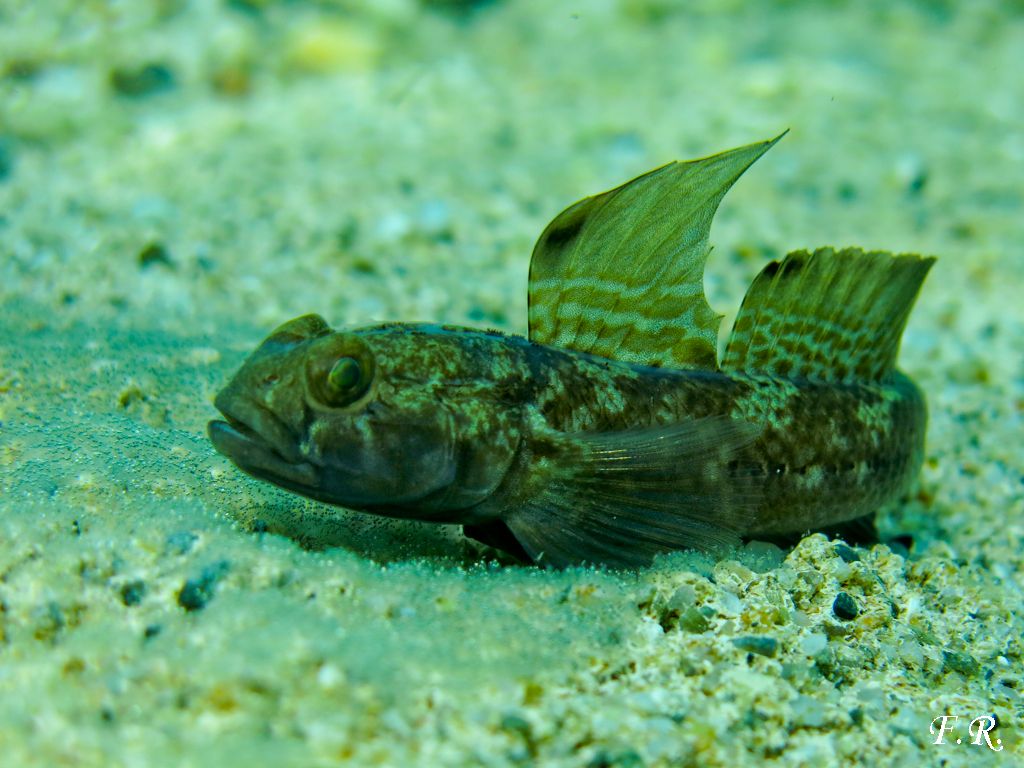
{"type": "Point", "coordinates": [344, 383]}
{"type": "Point", "coordinates": [344, 377]}
{"type": "Point", "coordinates": [339, 371]}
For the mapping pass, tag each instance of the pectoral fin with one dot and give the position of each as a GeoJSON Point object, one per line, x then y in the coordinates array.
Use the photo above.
{"type": "Point", "coordinates": [620, 498]}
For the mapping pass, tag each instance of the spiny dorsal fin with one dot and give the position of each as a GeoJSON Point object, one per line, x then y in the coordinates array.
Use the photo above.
{"type": "Point", "coordinates": [621, 497]}
{"type": "Point", "coordinates": [828, 315]}
{"type": "Point", "coordinates": [621, 274]}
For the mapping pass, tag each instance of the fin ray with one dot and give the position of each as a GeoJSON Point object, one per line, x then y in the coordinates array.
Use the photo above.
{"type": "Point", "coordinates": [619, 498]}
{"type": "Point", "coordinates": [621, 274]}
{"type": "Point", "coordinates": [828, 315]}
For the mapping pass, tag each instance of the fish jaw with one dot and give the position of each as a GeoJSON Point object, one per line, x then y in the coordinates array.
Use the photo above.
{"type": "Point", "coordinates": [336, 469]}
{"type": "Point", "coordinates": [258, 443]}
{"type": "Point", "coordinates": [254, 456]}
{"type": "Point", "coordinates": [342, 484]}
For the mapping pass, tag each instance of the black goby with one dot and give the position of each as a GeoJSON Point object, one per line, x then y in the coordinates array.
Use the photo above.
{"type": "Point", "coordinates": [615, 431]}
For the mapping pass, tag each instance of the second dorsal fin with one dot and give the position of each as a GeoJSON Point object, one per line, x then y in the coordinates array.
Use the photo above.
{"type": "Point", "coordinates": [828, 315]}
{"type": "Point", "coordinates": [621, 274]}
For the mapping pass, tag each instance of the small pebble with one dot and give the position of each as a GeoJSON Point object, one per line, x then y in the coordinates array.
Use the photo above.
{"type": "Point", "coordinates": [155, 253]}
{"type": "Point", "coordinates": [694, 621]}
{"type": "Point", "coordinates": [133, 592]}
{"type": "Point", "coordinates": [684, 597]}
{"type": "Point", "coordinates": [900, 545]}
{"type": "Point", "coordinates": [729, 603]}
{"type": "Point", "coordinates": [807, 712]}
{"type": "Point", "coordinates": [180, 542]}
{"type": "Point", "coordinates": [847, 553]}
{"type": "Point", "coordinates": [763, 556]}
{"type": "Point", "coordinates": [845, 607]}
{"type": "Point", "coordinates": [516, 724]}
{"type": "Point", "coordinates": [6, 159]}
{"type": "Point", "coordinates": [813, 643]}
{"type": "Point", "coordinates": [197, 592]}
{"type": "Point", "coordinates": [765, 646]}
{"type": "Point", "coordinates": [145, 80]}
{"type": "Point", "coordinates": [963, 663]}
{"type": "Point", "coordinates": [911, 652]}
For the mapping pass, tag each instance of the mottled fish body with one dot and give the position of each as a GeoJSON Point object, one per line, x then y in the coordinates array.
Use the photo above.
{"type": "Point", "coordinates": [614, 432]}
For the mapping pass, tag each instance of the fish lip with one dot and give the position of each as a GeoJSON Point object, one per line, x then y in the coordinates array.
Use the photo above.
{"type": "Point", "coordinates": [254, 455]}
{"type": "Point", "coordinates": [258, 423]}
{"type": "Point", "coordinates": [259, 443]}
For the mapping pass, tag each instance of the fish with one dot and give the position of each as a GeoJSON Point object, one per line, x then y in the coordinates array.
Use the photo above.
{"type": "Point", "coordinates": [616, 430]}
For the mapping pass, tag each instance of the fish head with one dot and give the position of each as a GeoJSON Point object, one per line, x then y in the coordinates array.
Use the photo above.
{"type": "Point", "coordinates": [403, 420]}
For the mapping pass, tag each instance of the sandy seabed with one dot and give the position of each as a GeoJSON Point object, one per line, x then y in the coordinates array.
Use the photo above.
{"type": "Point", "coordinates": [176, 178]}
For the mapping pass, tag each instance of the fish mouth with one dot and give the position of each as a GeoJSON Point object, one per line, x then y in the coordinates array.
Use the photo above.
{"type": "Point", "coordinates": [255, 440]}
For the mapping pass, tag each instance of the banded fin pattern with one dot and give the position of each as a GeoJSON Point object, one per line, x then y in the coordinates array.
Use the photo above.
{"type": "Point", "coordinates": [621, 274]}
{"type": "Point", "coordinates": [622, 497]}
{"type": "Point", "coordinates": [828, 315]}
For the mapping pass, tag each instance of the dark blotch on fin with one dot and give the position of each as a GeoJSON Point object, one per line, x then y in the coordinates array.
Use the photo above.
{"type": "Point", "coordinates": [792, 265]}
{"type": "Point", "coordinates": [788, 267]}
{"type": "Point", "coordinates": [562, 236]}
{"type": "Point", "coordinates": [620, 274]}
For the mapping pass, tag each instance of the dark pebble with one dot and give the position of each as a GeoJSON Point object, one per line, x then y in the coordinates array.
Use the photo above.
{"type": "Point", "coordinates": [515, 724]}
{"type": "Point", "coordinates": [834, 630]}
{"type": "Point", "coordinates": [197, 592]}
{"type": "Point", "coordinates": [50, 622]}
{"type": "Point", "coordinates": [6, 159]}
{"type": "Point", "coordinates": [901, 545]}
{"type": "Point", "coordinates": [457, 7]}
{"type": "Point", "coordinates": [624, 759]}
{"type": "Point", "coordinates": [145, 80]}
{"type": "Point", "coordinates": [255, 7]}
{"type": "Point", "coordinates": [693, 620]}
{"type": "Point", "coordinates": [917, 184]}
{"type": "Point", "coordinates": [155, 253]}
{"type": "Point", "coordinates": [363, 266]}
{"type": "Point", "coordinates": [133, 592]}
{"type": "Point", "coordinates": [847, 191]}
{"type": "Point", "coordinates": [963, 663]}
{"type": "Point", "coordinates": [180, 542]}
{"type": "Point", "coordinates": [23, 70]}
{"type": "Point", "coordinates": [847, 553]}
{"type": "Point", "coordinates": [347, 235]}
{"type": "Point", "coordinates": [845, 607]}
{"type": "Point", "coordinates": [765, 646]}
